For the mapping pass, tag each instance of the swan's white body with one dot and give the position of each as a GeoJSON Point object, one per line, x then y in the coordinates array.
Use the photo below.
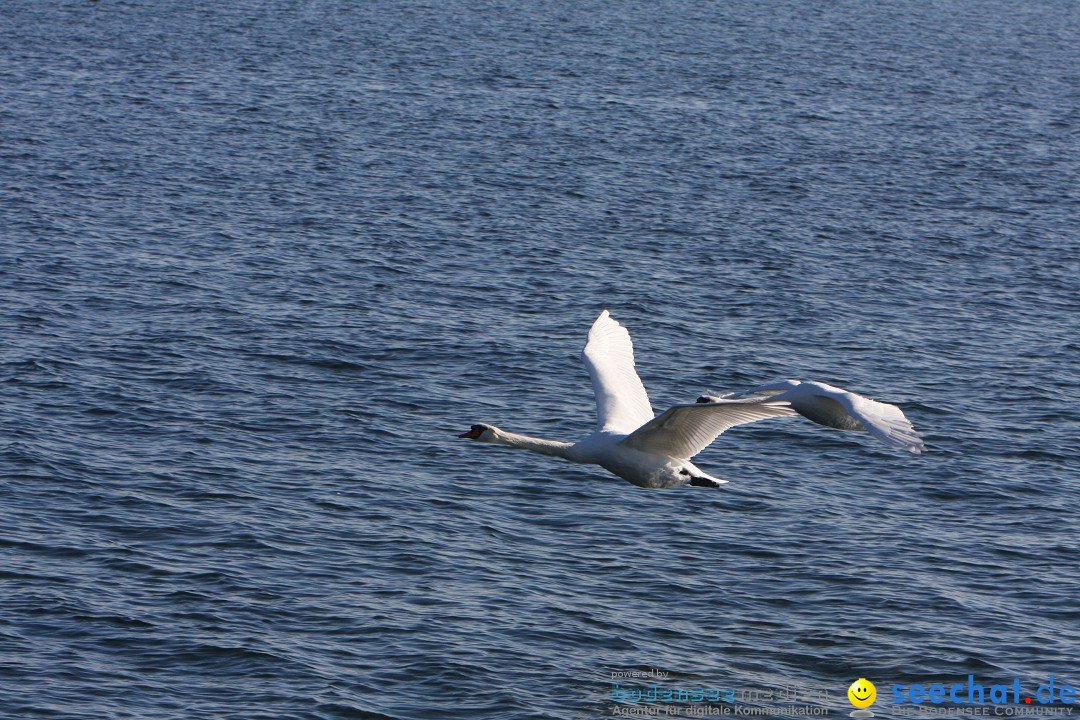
{"type": "Point", "coordinates": [835, 407]}
{"type": "Point", "coordinates": [652, 452]}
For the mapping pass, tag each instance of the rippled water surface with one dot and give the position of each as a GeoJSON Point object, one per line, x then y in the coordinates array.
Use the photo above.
{"type": "Point", "coordinates": [261, 261]}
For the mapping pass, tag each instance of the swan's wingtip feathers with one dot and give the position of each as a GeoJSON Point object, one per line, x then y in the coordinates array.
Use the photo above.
{"type": "Point", "coordinates": [604, 318]}
{"type": "Point", "coordinates": [914, 444]}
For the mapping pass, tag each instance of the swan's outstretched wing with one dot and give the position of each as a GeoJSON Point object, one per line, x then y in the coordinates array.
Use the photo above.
{"type": "Point", "coordinates": [685, 430]}
{"type": "Point", "coordinates": [621, 401]}
{"type": "Point", "coordinates": [835, 407]}
{"type": "Point", "coordinates": [884, 421]}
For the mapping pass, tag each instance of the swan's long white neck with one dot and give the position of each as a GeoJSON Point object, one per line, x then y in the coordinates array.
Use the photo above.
{"type": "Point", "coordinates": [536, 445]}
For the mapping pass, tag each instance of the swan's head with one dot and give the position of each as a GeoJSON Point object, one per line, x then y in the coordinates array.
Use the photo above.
{"type": "Point", "coordinates": [481, 433]}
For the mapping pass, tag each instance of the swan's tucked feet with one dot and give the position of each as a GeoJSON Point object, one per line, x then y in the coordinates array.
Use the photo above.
{"type": "Point", "coordinates": [697, 481]}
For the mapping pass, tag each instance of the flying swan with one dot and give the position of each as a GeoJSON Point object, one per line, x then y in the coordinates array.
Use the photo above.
{"type": "Point", "coordinates": [651, 452]}
{"type": "Point", "coordinates": [837, 408]}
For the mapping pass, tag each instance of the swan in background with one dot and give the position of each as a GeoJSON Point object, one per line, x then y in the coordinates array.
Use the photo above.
{"type": "Point", "coordinates": [651, 452]}
{"type": "Point", "coordinates": [838, 408]}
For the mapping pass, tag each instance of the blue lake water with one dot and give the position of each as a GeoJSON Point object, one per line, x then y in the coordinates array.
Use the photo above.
{"type": "Point", "coordinates": [262, 261]}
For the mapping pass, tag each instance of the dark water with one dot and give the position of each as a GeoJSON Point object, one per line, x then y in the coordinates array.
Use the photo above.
{"type": "Point", "coordinates": [262, 260]}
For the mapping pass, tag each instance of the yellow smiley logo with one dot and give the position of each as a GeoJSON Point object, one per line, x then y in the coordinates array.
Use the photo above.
{"type": "Point", "coordinates": [862, 693]}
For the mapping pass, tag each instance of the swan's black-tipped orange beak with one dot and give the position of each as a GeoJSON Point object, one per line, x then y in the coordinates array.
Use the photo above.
{"type": "Point", "coordinates": [474, 433]}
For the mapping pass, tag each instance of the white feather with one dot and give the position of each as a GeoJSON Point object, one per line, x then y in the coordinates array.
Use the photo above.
{"type": "Point", "coordinates": [655, 452]}
{"type": "Point", "coordinates": [835, 407]}
{"type": "Point", "coordinates": [685, 430]}
{"type": "Point", "coordinates": [621, 401]}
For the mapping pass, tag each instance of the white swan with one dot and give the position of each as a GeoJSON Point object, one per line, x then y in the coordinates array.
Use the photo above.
{"type": "Point", "coordinates": [838, 408]}
{"type": "Point", "coordinates": [652, 452]}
